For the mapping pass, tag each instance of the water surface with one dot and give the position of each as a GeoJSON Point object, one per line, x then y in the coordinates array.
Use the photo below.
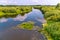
{"type": "Point", "coordinates": [35, 15]}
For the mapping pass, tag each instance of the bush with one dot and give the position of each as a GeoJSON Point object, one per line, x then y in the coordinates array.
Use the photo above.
{"type": "Point", "coordinates": [58, 6]}
{"type": "Point", "coordinates": [54, 30]}
{"type": "Point", "coordinates": [26, 25]}
{"type": "Point", "coordinates": [13, 11]}
{"type": "Point", "coordinates": [1, 14]}
{"type": "Point", "coordinates": [53, 15]}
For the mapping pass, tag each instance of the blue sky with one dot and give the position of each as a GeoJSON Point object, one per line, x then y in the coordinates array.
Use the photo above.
{"type": "Point", "coordinates": [29, 2]}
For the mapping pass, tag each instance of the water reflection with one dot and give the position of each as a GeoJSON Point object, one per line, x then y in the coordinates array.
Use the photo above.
{"type": "Point", "coordinates": [3, 20]}
{"type": "Point", "coordinates": [17, 18]}
{"type": "Point", "coordinates": [20, 18]}
{"type": "Point", "coordinates": [34, 15]}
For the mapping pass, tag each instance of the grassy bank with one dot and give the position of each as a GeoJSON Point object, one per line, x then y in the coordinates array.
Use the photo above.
{"type": "Point", "coordinates": [12, 11]}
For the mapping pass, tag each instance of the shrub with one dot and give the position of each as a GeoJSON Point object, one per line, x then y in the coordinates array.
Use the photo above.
{"type": "Point", "coordinates": [1, 14]}
{"type": "Point", "coordinates": [54, 30]}
{"type": "Point", "coordinates": [13, 11]}
{"type": "Point", "coordinates": [26, 25]}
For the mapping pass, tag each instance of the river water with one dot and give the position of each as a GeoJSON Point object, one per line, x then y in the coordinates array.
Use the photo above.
{"type": "Point", "coordinates": [35, 15]}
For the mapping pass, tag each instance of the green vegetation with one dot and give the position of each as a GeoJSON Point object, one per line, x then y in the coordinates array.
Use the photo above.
{"type": "Point", "coordinates": [52, 15]}
{"type": "Point", "coordinates": [12, 11]}
{"type": "Point", "coordinates": [26, 25]}
{"type": "Point", "coordinates": [54, 30]}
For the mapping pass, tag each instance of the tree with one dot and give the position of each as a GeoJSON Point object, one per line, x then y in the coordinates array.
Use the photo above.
{"type": "Point", "coordinates": [58, 6]}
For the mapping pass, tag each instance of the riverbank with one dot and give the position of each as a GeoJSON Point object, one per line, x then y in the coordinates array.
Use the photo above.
{"type": "Point", "coordinates": [52, 15]}
{"type": "Point", "coordinates": [12, 11]}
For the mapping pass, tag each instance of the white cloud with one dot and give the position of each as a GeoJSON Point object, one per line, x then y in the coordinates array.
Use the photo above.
{"type": "Point", "coordinates": [3, 1]}
{"type": "Point", "coordinates": [49, 2]}
{"type": "Point", "coordinates": [35, 0]}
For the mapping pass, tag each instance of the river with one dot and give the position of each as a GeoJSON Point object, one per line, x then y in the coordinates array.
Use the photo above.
{"type": "Point", "coordinates": [35, 15]}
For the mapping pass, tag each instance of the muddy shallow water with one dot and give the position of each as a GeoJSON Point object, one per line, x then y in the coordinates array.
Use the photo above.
{"type": "Point", "coordinates": [19, 34]}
